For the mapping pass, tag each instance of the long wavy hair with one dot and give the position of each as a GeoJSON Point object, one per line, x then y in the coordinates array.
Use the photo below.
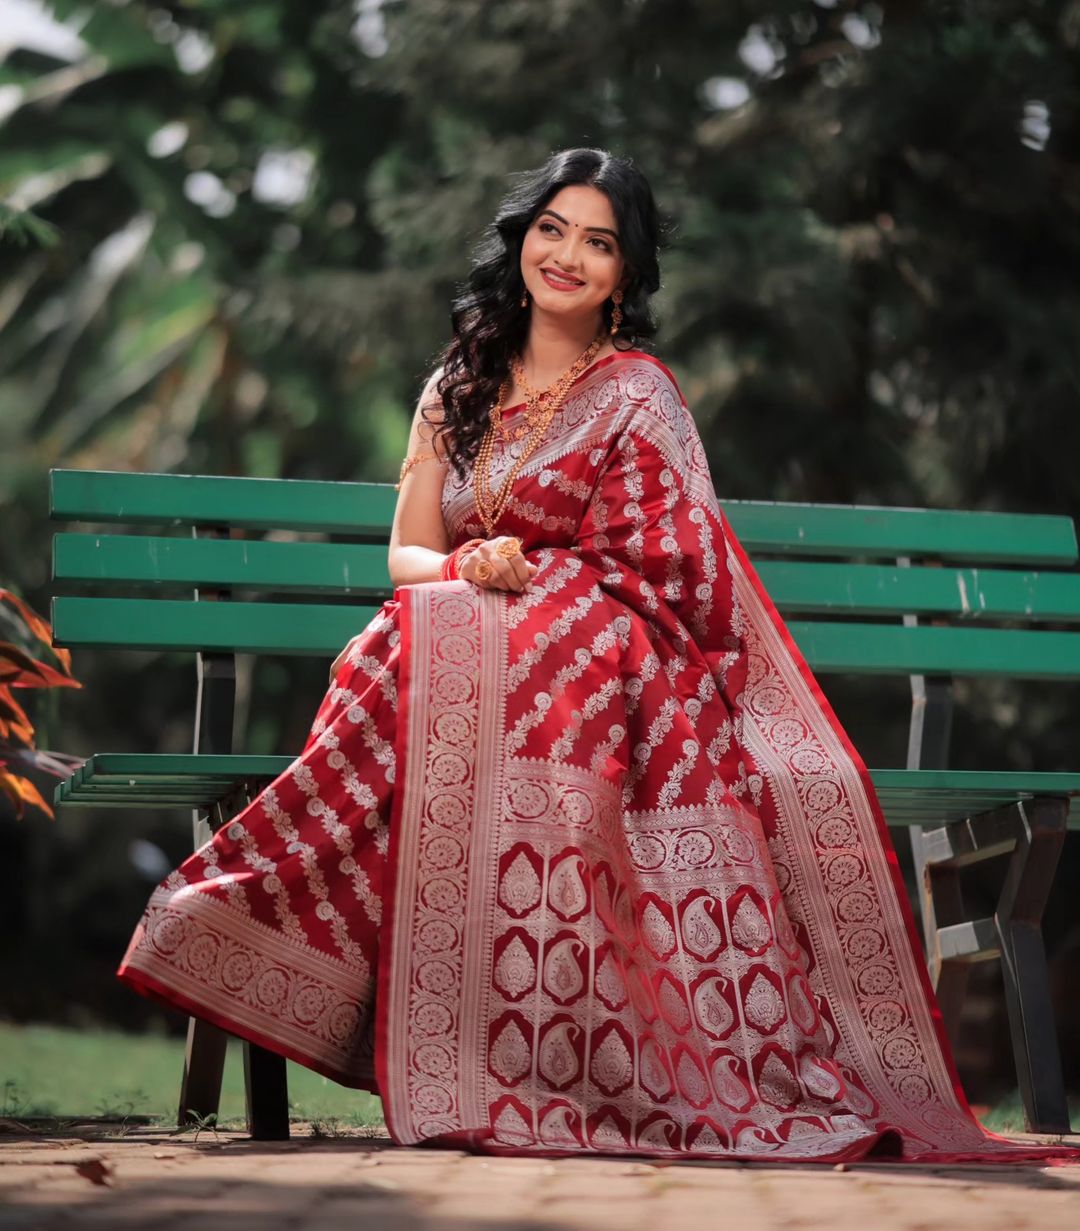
{"type": "Point", "coordinates": [489, 324]}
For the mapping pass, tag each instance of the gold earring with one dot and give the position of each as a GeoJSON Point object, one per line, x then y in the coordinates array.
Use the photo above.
{"type": "Point", "coordinates": [525, 299]}
{"type": "Point", "coordinates": [616, 312]}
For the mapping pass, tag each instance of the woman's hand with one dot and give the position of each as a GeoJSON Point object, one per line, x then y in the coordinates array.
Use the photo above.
{"type": "Point", "coordinates": [507, 573]}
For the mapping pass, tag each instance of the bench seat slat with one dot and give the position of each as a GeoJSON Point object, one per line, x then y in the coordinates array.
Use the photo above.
{"type": "Point", "coordinates": [945, 810]}
{"type": "Point", "coordinates": [933, 810]}
{"type": "Point", "coordinates": [991, 780]}
{"type": "Point", "coordinates": [229, 765]}
{"type": "Point", "coordinates": [908, 797]}
{"type": "Point", "coordinates": [239, 765]}
{"type": "Point", "coordinates": [317, 629]}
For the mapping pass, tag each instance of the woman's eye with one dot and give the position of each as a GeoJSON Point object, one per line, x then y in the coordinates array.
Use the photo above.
{"type": "Point", "coordinates": [547, 226]}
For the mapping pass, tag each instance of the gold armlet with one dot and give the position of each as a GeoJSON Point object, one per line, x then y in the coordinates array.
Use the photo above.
{"type": "Point", "coordinates": [411, 461]}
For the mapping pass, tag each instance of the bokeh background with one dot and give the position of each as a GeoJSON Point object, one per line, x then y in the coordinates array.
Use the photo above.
{"type": "Point", "coordinates": [230, 231]}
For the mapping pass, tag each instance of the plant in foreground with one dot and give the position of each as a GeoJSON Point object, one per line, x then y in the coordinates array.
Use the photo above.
{"type": "Point", "coordinates": [28, 659]}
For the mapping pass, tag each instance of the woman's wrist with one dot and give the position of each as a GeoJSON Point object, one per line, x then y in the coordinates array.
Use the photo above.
{"type": "Point", "coordinates": [451, 569]}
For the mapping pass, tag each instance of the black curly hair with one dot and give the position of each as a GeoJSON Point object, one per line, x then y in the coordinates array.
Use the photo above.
{"type": "Point", "coordinates": [488, 321]}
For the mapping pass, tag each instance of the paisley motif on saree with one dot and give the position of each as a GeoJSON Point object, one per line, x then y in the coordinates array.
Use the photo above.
{"type": "Point", "coordinates": [617, 871]}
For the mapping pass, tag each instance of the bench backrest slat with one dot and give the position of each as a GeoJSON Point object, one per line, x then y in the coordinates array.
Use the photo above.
{"type": "Point", "coordinates": [365, 510]}
{"type": "Point", "coordinates": [151, 560]}
{"type": "Point", "coordinates": [864, 531]}
{"type": "Point", "coordinates": [959, 593]}
{"type": "Point", "coordinates": [852, 574]}
{"type": "Point", "coordinates": [361, 569]}
{"type": "Point", "coordinates": [891, 649]}
{"type": "Point", "coordinates": [225, 627]}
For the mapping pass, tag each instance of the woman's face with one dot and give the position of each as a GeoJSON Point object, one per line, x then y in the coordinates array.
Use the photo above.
{"type": "Point", "coordinates": [571, 259]}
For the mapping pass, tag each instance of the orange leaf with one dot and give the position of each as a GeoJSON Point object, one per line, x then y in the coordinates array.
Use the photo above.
{"type": "Point", "coordinates": [38, 626]}
{"type": "Point", "coordinates": [19, 670]}
{"type": "Point", "coordinates": [22, 792]}
{"type": "Point", "coordinates": [50, 678]}
{"type": "Point", "coordinates": [15, 663]}
{"type": "Point", "coordinates": [15, 725]}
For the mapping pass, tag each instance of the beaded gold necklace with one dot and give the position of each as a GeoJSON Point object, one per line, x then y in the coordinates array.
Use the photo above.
{"type": "Point", "coordinates": [540, 408]}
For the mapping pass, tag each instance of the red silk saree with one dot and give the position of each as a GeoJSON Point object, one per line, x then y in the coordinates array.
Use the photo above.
{"type": "Point", "coordinates": [592, 867]}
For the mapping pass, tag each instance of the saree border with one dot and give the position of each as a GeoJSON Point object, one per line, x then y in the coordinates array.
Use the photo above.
{"type": "Point", "coordinates": [443, 819]}
{"type": "Point", "coordinates": [196, 952]}
{"type": "Point", "coordinates": [905, 910]}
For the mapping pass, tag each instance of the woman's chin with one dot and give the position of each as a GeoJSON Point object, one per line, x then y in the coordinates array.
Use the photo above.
{"type": "Point", "coordinates": [557, 304]}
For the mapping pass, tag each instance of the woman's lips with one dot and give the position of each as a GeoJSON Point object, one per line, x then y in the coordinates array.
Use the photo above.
{"type": "Point", "coordinates": [558, 285]}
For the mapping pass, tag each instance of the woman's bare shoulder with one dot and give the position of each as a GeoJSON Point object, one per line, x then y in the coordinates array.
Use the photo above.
{"type": "Point", "coordinates": [429, 405]}
{"type": "Point", "coordinates": [430, 416]}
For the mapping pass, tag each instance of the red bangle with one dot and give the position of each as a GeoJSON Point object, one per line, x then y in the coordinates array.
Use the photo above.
{"type": "Point", "coordinates": [450, 570]}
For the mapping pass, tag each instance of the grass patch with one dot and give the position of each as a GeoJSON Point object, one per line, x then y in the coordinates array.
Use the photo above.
{"type": "Point", "coordinates": [63, 1072]}
{"type": "Point", "coordinates": [1007, 1116]}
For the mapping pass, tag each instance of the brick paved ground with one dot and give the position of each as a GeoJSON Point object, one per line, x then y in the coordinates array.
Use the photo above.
{"type": "Point", "coordinates": [154, 1179]}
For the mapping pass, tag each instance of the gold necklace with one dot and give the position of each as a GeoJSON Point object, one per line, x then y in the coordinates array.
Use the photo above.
{"type": "Point", "coordinates": [534, 398]}
{"type": "Point", "coordinates": [540, 409]}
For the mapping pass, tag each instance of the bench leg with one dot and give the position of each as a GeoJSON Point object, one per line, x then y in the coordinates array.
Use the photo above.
{"type": "Point", "coordinates": [267, 1094]}
{"type": "Point", "coordinates": [204, 1063]}
{"type": "Point", "coordinates": [943, 906]}
{"type": "Point", "coordinates": [940, 902]}
{"type": "Point", "coordinates": [1023, 963]}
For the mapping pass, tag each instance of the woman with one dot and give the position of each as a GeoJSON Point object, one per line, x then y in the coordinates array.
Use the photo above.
{"type": "Point", "coordinates": [577, 856]}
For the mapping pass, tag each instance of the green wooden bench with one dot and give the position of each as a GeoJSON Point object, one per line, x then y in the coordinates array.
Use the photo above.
{"type": "Point", "coordinates": [866, 591]}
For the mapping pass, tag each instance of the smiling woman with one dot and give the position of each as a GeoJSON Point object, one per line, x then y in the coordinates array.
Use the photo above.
{"type": "Point", "coordinates": [576, 858]}
{"type": "Point", "coordinates": [587, 219]}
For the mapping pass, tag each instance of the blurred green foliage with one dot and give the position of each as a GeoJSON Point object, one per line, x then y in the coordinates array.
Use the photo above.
{"type": "Point", "coordinates": [262, 210]}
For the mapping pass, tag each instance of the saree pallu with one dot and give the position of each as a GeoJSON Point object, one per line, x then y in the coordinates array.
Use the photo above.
{"type": "Point", "coordinates": [590, 867]}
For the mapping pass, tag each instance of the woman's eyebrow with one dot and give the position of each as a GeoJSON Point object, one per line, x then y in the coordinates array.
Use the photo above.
{"type": "Point", "coordinates": [606, 230]}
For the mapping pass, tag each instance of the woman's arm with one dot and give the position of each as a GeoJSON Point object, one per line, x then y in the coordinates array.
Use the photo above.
{"type": "Point", "coordinates": [418, 538]}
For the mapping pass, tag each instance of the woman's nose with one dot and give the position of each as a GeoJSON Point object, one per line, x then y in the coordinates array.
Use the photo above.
{"type": "Point", "coordinates": [566, 253]}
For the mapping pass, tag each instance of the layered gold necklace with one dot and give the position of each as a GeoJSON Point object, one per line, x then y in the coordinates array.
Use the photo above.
{"type": "Point", "coordinates": [540, 408]}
